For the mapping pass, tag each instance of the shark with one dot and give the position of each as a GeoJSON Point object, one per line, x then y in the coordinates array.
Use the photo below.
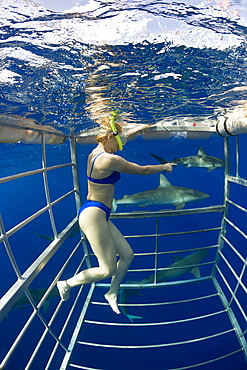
{"type": "Point", "coordinates": [179, 267]}
{"type": "Point", "coordinates": [201, 159]}
{"type": "Point", "coordinates": [165, 193]}
{"type": "Point", "coordinates": [51, 238]}
{"type": "Point", "coordinates": [37, 295]}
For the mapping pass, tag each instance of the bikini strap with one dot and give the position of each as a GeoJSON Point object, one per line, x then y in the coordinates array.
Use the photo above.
{"type": "Point", "coordinates": [93, 163]}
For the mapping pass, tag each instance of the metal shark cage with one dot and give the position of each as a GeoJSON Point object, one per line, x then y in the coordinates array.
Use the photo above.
{"type": "Point", "coordinates": [76, 334]}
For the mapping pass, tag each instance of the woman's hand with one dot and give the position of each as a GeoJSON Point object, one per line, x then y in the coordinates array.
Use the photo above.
{"type": "Point", "coordinates": [168, 166]}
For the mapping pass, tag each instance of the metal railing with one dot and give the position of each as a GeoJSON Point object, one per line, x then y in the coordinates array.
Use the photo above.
{"type": "Point", "coordinates": [219, 298]}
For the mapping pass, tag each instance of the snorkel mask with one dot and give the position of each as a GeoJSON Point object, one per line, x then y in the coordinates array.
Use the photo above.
{"type": "Point", "coordinates": [114, 130]}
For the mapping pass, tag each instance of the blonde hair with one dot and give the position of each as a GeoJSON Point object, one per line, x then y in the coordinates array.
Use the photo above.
{"type": "Point", "coordinates": [106, 129]}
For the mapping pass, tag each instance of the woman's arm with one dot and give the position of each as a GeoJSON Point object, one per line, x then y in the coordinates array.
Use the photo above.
{"type": "Point", "coordinates": [138, 130]}
{"type": "Point", "coordinates": [119, 164]}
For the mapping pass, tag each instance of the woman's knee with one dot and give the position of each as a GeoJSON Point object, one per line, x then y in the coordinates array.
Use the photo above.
{"type": "Point", "coordinates": [108, 271]}
{"type": "Point", "coordinates": [131, 256]}
{"type": "Point", "coordinates": [128, 257]}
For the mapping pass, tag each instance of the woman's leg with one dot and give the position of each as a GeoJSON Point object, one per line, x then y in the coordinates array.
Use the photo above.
{"type": "Point", "coordinates": [126, 255]}
{"type": "Point", "coordinates": [93, 223]}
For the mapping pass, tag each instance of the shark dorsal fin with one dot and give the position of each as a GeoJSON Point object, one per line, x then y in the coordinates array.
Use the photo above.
{"type": "Point", "coordinates": [201, 151]}
{"type": "Point", "coordinates": [177, 258]}
{"type": "Point", "coordinates": [164, 182]}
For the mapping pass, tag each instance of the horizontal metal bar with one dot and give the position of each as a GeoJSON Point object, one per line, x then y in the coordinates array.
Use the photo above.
{"type": "Point", "coordinates": [187, 128]}
{"type": "Point", "coordinates": [14, 293]}
{"type": "Point", "coordinates": [33, 172]}
{"type": "Point", "coordinates": [232, 295]}
{"type": "Point", "coordinates": [238, 279]}
{"type": "Point", "coordinates": [235, 227]}
{"type": "Point", "coordinates": [232, 317]}
{"type": "Point", "coordinates": [158, 285]}
{"type": "Point", "coordinates": [33, 216]}
{"type": "Point", "coordinates": [157, 323]}
{"type": "Point", "coordinates": [172, 252]}
{"type": "Point", "coordinates": [188, 250]}
{"type": "Point", "coordinates": [158, 303]}
{"type": "Point", "coordinates": [177, 251]}
{"type": "Point", "coordinates": [172, 267]}
{"type": "Point", "coordinates": [237, 180]}
{"type": "Point", "coordinates": [173, 234]}
{"type": "Point", "coordinates": [178, 368]}
{"type": "Point", "coordinates": [168, 213]}
{"type": "Point", "coordinates": [29, 126]}
{"type": "Point", "coordinates": [233, 248]}
{"type": "Point", "coordinates": [236, 205]}
{"type": "Point", "coordinates": [83, 367]}
{"type": "Point", "coordinates": [157, 345]}
{"type": "Point", "coordinates": [208, 362]}
{"type": "Point", "coordinates": [161, 128]}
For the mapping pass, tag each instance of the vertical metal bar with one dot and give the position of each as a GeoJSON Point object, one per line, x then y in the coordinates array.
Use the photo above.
{"type": "Point", "coordinates": [156, 249]}
{"type": "Point", "coordinates": [238, 282]}
{"type": "Point", "coordinates": [232, 318]}
{"type": "Point", "coordinates": [9, 250]}
{"type": "Point", "coordinates": [75, 175]}
{"type": "Point", "coordinates": [226, 205]}
{"type": "Point", "coordinates": [77, 329]}
{"type": "Point", "coordinates": [66, 323]}
{"type": "Point", "coordinates": [237, 156]}
{"type": "Point", "coordinates": [46, 186]}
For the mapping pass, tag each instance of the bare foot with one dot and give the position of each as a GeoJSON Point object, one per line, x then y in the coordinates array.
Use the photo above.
{"type": "Point", "coordinates": [112, 300]}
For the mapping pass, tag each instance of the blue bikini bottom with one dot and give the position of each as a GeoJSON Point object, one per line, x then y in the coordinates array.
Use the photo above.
{"type": "Point", "coordinates": [92, 203]}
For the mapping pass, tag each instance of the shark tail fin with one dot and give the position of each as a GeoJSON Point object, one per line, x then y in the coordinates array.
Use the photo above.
{"type": "Point", "coordinates": [114, 205]}
{"type": "Point", "coordinates": [133, 317]}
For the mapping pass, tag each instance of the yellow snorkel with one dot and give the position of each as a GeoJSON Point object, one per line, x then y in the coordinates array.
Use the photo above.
{"type": "Point", "coordinates": [115, 131]}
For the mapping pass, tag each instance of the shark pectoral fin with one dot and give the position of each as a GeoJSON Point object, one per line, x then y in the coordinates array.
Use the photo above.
{"type": "Point", "coordinates": [180, 205]}
{"type": "Point", "coordinates": [196, 272]}
{"type": "Point", "coordinates": [46, 306]}
{"type": "Point", "coordinates": [50, 238]}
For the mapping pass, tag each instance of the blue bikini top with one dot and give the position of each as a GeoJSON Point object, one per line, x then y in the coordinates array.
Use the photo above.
{"type": "Point", "coordinates": [111, 179]}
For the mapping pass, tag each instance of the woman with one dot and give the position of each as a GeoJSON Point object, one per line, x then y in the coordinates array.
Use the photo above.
{"type": "Point", "coordinates": [106, 241]}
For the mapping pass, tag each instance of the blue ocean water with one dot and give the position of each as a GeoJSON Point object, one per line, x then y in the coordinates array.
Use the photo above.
{"type": "Point", "coordinates": [149, 61]}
